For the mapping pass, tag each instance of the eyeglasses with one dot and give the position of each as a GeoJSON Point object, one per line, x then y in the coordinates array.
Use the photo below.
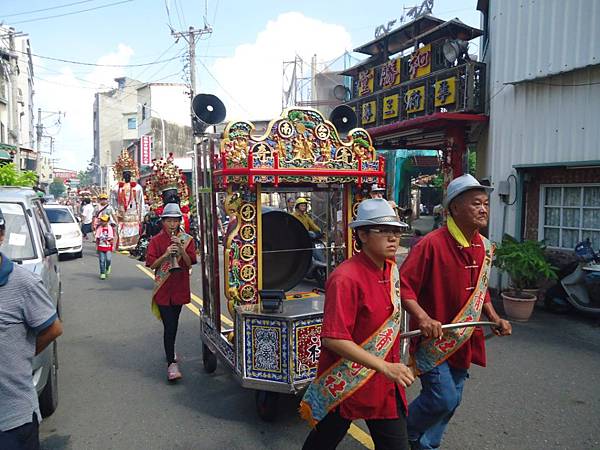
{"type": "Point", "coordinates": [387, 233]}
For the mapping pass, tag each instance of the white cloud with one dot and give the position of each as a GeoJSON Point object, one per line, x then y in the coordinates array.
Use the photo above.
{"type": "Point", "coordinates": [74, 96]}
{"type": "Point", "coordinates": [253, 76]}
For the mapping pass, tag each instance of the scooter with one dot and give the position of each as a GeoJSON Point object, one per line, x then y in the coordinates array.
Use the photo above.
{"type": "Point", "coordinates": [579, 284]}
{"type": "Point", "coordinates": [318, 265]}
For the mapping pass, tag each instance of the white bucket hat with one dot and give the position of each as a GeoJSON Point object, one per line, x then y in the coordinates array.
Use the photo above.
{"type": "Point", "coordinates": [172, 210]}
{"type": "Point", "coordinates": [462, 184]}
{"type": "Point", "coordinates": [376, 211]}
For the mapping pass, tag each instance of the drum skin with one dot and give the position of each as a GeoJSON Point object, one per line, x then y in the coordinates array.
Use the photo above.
{"type": "Point", "coordinates": [284, 234]}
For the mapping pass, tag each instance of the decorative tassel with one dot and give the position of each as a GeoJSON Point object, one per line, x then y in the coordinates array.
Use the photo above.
{"type": "Point", "coordinates": [306, 414]}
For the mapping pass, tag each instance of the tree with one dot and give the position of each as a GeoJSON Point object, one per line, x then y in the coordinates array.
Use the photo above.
{"type": "Point", "coordinates": [85, 178]}
{"type": "Point", "coordinates": [57, 187]}
{"type": "Point", "coordinates": [10, 177]}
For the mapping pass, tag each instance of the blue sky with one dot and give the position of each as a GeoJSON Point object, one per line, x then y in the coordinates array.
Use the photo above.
{"type": "Point", "coordinates": [245, 51]}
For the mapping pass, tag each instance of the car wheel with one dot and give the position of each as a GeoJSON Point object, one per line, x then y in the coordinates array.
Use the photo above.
{"type": "Point", "coordinates": [49, 396]}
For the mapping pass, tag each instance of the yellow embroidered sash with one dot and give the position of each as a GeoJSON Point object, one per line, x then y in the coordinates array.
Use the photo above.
{"type": "Point", "coordinates": [345, 377]}
{"type": "Point", "coordinates": [431, 353]}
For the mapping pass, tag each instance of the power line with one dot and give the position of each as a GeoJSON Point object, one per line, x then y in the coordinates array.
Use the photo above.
{"type": "Point", "coordinates": [221, 86]}
{"type": "Point", "coordinates": [47, 9]}
{"type": "Point", "coordinates": [81, 63]}
{"type": "Point", "coordinates": [73, 12]}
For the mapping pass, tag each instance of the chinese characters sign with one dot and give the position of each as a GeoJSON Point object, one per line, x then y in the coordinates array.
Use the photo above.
{"type": "Point", "coordinates": [146, 151]}
{"type": "Point", "coordinates": [445, 91]}
{"type": "Point", "coordinates": [415, 100]}
{"type": "Point", "coordinates": [390, 106]}
{"type": "Point", "coordinates": [369, 112]}
{"type": "Point", "coordinates": [390, 74]}
{"type": "Point", "coordinates": [365, 82]}
{"type": "Point", "coordinates": [420, 62]}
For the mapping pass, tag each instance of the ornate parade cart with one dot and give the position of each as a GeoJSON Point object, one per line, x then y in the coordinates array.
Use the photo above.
{"type": "Point", "coordinates": [273, 345]}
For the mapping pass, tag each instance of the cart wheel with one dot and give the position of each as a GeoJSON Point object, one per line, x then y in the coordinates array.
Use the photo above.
{"type": "Point", "coordinates": [266, 405]}
{"type": "Point", "coordinates": [209, 359]}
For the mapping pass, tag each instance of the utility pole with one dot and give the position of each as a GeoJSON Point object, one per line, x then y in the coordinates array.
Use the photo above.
{"type": "Point", "coordinates": [190, 38]}
{"type": "Point", "coordinates": [14, 97]}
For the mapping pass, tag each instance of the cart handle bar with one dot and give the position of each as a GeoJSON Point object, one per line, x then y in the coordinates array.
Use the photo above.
{"type": "Point", "coordinates": [448, 326]}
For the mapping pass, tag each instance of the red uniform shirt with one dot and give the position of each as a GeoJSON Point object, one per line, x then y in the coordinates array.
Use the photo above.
{"type": "Point", "coordinates": [440, 274]}
{"type": "Point", "coordinates": [357, 302]}
{"type": "Point", "coordinates": [176, 290]}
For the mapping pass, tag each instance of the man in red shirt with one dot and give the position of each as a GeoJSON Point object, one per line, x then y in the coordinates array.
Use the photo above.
{"type": "Point", "coordinates": [171, 285]}
{"type": "Point", "coordinates": [444, 280]}
{"type": "Point", "coordinates": [360, 375]}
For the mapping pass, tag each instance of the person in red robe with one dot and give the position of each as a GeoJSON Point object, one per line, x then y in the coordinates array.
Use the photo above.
{"type": "Point", "coordinates": [438, 280]}
{"type": "Point", "coordinates": [171, 285]}
{"type": "Point", "coordinates": [361, 297]}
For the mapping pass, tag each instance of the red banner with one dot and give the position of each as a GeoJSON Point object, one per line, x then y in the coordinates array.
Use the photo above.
{"type": "Point", "coordinates": [146, 151]}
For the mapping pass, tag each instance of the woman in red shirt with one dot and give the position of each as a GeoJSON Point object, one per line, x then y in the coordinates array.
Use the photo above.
{"type": "Point", "coordinates": [171, 285]}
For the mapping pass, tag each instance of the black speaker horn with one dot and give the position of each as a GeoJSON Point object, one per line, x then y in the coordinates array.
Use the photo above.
{"type": "Point", "coordinates": [344, 118]}
{"type": "Point", "coordinates": [208, 110]}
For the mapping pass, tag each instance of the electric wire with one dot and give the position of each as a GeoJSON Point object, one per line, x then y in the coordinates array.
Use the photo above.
{"type": "Point", "coordinates": [72, 13]}
{"type": "Point", "coordinates": [81, 63]}
{"type": "Point", "coordinates": [46, 9]}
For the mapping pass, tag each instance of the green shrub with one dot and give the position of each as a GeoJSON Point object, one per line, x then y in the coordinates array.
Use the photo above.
{"type": "Point", "coordinates": [10, 177]}
{"type": "Point", "coordinates": [524, 262]}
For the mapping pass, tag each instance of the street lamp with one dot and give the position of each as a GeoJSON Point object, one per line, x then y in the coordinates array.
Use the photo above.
{"type": "Point", "coordinates": [162, 122]}
{"type": "Point", "coordinates": [99, 168]}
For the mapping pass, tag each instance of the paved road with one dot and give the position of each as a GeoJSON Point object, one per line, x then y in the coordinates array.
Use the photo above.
{"type": "Point", "coordinates": [540, 390]}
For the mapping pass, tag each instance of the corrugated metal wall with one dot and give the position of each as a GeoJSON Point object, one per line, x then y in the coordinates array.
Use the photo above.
{"type": "Point", "coordinates": [537, 38]}
{"type": "Point", "coordinates": [546, 120]}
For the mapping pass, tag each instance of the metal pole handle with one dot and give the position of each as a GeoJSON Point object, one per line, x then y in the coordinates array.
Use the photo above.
{"type": "Point", "coordinates": [448, 326]}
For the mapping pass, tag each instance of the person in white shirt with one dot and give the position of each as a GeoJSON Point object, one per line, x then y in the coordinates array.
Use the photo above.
{"type": "Point", "coordinates": [87, 215]}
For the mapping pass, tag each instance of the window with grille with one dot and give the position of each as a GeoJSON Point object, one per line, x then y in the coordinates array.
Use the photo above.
{"type": "Point", "coordinates": [570, 214]}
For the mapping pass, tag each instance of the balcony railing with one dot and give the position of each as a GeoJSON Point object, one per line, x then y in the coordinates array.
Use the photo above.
{"type": "Point", "coordinates": [378, 108]}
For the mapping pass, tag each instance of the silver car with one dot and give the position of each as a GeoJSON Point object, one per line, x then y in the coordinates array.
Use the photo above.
{"type": "Point", "coordinates": [29, 241]}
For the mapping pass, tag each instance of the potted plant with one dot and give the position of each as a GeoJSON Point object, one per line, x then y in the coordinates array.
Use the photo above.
{"type": "Point", "coordinates": [526, 265]}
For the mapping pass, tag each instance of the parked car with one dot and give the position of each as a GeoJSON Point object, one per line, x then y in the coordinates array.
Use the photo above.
{"type": "Point", "coordinates": [69, 239]}
{"type": "Point", "coordinates": [29, 241]}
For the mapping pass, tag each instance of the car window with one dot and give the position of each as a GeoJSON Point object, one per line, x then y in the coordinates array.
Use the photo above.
{"type": "Point", "coordinates": [18, 244]}
{"type": "Point", "coordinates": [59, 215]}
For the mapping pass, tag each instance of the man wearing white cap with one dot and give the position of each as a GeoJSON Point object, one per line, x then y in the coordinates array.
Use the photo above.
{"type": "Point", "coordinates": [360, 375]}
{"type": "Point", "coordinates": [444, 279]}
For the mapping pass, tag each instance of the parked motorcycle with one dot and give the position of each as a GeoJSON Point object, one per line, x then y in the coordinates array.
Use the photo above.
{"type": "Point", "coordinates": [578, 284]}
{"type": "Point", "coordinates": [318, 266]}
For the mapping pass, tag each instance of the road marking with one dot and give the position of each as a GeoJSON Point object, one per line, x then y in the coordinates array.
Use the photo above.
{"type": "Point", "coordinates": [195, 298]}
{"type": "Point", "coordinates": [361, 436]}
{"type": "Point", "coordinates": [353, 431]}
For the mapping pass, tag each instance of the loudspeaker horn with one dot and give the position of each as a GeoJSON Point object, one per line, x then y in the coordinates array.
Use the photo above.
{"type": "Point", "coordinates": [344, 118]}
{"type": "Point", "coordinates": [208, 110]}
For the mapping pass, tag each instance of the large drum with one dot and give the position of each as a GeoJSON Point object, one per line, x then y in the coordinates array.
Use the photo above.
{"type": "Point", "coordinates": [287, 250]}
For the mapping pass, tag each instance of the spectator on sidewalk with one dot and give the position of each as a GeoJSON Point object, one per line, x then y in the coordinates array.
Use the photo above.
{"type": "Point", "coordinates": [28, 324]}
{"type": "Point", "coordinates": [87, 216]}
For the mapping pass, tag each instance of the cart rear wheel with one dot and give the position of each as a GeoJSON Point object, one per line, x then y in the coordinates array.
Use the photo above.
{"type": "Point", "coordinates": [266, 405]}
{"type": "Point", "coordinates": [209, 359]}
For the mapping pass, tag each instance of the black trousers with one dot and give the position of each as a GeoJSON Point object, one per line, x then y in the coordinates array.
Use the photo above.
{"type": "Point", "coordinates": [25, 437]}
{"type": "Point", "coordinates": [387, 434]}
{"type": "Point", "coordinates": [170, 320]}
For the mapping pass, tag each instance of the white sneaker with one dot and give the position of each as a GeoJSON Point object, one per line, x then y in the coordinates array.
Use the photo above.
{"type": "Point", "coordinates": [173, 373]}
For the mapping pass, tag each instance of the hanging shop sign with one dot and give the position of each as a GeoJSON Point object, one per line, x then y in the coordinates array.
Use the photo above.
{"type": "Point", "coordinates": [415, 100]}
{"type": "Point", "coordinates": [420, 62]}
{"type": "Point", "coordinates": [146, 151]}
{"type": "Point", "coordinates": [390, 106]}
{"type": "Point", "coordinates": [369, 112]}
{"type": "Point", "coordinates": [390, 74]}
{"type": "Point", "coordinates": [365, 82]}
{"type": "Point", "coordinates": [445, 91]}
